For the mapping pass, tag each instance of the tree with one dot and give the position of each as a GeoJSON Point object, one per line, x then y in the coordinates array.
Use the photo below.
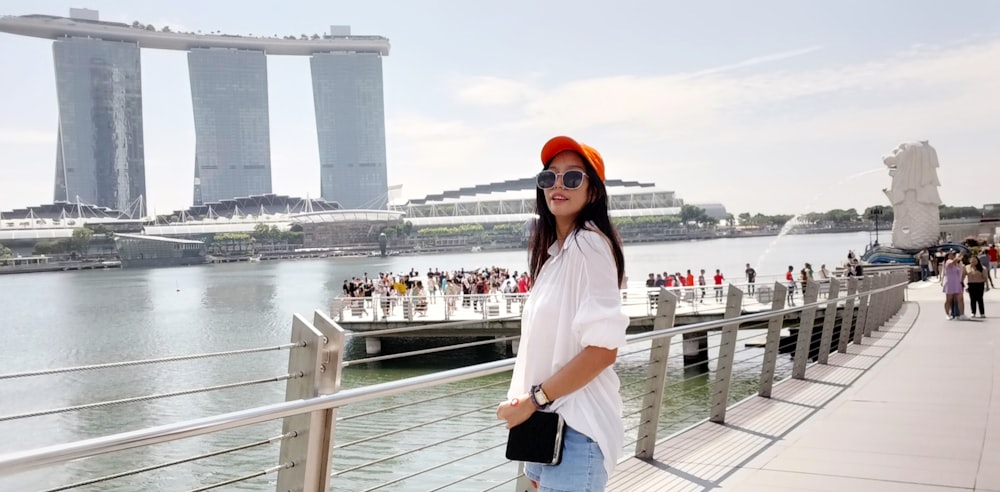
{"type": "Point", "coordinates": [690, 213]}
{"type": "Point", "coordinates": [80, 242]}
{"type": "Point", "coordinates": [5, 252]}
{"type": "Point", "coordinates": [166, 29]}
{"type": "Point", "coordinates": [960, 212]}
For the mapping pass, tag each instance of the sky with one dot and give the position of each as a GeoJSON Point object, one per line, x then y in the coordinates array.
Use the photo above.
{"type": "Point", "coordinates": [766, 106]}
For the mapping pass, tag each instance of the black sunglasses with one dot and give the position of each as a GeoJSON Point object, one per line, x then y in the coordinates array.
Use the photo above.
{"type": "Point", "coordinates": [571, 179]}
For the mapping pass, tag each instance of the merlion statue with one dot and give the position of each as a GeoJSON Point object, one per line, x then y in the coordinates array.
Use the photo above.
{"type": "Point", "coordinates": [914, 195]}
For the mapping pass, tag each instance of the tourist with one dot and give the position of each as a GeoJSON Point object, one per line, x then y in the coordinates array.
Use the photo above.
{"type": "Point", "coordinates": [804, 277]}
{"type": "Point", "coordinates": [984, 261]}
{"type": "Point", "coordinates": [924, 260]}
{"type": "Point", "coordinates": [824, 274]}
{"type": "Point", "coordinates": [976, 276]}
{"type": "Point", "coordinates": [953, 281]}
{"type": "Point", "coordinates": [419, 297]}
{"type": "Point", "coordinates": [573, 324]}
{"type": "Point", "coordinates": [701, 282]}
{"type": "Point", "coordinates": [994, 258]}
{"type": "Point", "coordinates": [790, 280]}
{"type": "Point", "coordinates": [718, 278]}
{"type": "Point", "coordinates": [751, 279]}
{"type": "Point", "coordinates": [651, 281]}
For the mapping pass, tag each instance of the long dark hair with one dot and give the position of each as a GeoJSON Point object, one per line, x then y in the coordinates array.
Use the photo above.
{"type": "Point", "coordinates": [543, 234]}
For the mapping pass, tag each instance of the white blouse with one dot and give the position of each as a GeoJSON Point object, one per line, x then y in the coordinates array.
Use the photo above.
{"type": "Point", "coordinates": [575, 303]}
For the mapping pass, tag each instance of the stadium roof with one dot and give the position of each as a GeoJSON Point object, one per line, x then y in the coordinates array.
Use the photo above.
{"type": "Point", "coordinates": [514, 185]}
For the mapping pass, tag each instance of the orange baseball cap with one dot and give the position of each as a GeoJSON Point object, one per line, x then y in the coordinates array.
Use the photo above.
{"type": "Point", "coordinates": [562, 143]}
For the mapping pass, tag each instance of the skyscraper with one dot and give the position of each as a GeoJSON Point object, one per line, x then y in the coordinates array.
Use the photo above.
{"type": "Point", "coordinates": [232, 134]}
{"type": "Point", "coordinates": [99, 154]}
{"type": "Point", "coordinates": [350, 123]}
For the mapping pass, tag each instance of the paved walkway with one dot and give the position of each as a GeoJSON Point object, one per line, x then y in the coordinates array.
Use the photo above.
{"type": "Point", "coordinates": [916, 407]}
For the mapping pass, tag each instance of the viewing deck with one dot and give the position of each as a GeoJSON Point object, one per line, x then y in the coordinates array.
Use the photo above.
{"type": "Point", "coordinates": [916, 407]}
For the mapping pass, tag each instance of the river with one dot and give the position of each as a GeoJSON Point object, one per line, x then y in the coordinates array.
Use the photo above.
{"type": "Point", "coordinates": [51, 320]}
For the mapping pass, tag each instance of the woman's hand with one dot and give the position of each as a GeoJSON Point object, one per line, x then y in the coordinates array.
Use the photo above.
{"type": "Point", "coordinates": [516, 411]}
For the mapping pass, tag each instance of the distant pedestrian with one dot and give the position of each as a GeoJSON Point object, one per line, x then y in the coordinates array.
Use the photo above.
{"type": "Point", "coordinates": [718, 278]}
{"type": "Point", "coordinates": [977, 276]}
{"type": "Point", "coordinates": [953, 280]}
{"type": "Point", "coordinates": [824, 274]}
{"type": "Point", "coordinates": [984, 261]}
{"type": "Point", "coordinates": [924, 261]}
{"type": "Point", "coordinates": [994, 258]}
{"type": "Point", "coordinates": [751, 279]}
{"type": "Point", "coordinates": [701, 282]}
{"type": "Point", "coordinates": [790, 281]}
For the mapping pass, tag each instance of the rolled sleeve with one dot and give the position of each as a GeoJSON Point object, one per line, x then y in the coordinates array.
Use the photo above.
{"type": "Point", "coordinates": [599, 320]}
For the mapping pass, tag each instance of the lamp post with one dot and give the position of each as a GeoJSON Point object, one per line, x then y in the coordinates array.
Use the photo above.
{"type": "Point", "coordinates": [876, 212]}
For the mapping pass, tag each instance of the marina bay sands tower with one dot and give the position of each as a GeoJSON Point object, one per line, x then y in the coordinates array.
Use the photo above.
{"type": "Point", "coordinates": [100, 158]}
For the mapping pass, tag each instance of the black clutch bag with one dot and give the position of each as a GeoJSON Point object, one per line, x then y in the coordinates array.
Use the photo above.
{"type": "Point", "coordinates": [538, 439]}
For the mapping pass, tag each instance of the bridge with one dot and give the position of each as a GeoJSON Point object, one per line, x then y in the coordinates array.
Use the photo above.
{"type": "Point", "coordinates": [888, 396]}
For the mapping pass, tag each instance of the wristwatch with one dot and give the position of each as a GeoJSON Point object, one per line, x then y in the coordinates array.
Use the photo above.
{"type": "Point", "coordinates": [538, 396]}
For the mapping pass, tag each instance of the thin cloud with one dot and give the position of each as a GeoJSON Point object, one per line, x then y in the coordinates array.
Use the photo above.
{"type": "Point", "coordinates": [758, 60]}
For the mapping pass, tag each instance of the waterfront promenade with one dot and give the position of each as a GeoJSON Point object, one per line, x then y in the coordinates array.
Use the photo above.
{"type": "Point", "coordinates": [915, 407]}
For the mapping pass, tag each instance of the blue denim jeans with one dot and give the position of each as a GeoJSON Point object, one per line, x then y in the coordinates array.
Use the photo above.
{"type": "Point", "coordinates": [581, 469]}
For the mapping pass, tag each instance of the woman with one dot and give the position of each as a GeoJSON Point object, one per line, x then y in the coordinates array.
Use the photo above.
{"type": "Point", "coordinates": [976, 276]}
{"type": "Point", "coordinates": [573, 324]}
{"type": "Point", "coordinates": [790, 279]}
{"type": "Point", "coordinates": [953, 283]}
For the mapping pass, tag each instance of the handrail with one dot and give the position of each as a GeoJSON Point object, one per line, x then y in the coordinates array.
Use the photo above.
{"type": "Point", "coordinates": [32, 459]}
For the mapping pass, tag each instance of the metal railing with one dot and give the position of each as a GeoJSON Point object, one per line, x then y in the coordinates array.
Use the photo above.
{"type": "Point", "coordinates": [656, 388]}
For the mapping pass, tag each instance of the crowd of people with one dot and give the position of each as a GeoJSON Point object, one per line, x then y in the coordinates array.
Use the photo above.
{"type": "Point", "coordinates": [473, 288]}
{"type": "Point", "coordinates": [960, 273]}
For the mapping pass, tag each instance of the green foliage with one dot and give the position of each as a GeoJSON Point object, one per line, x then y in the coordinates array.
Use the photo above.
{"type": "Point", "coordinates": [80, 242]}
{"type": "Point", "coordinates": [761, 220]}
{"type": "Point", "coordinates": [464, 229]}
{"type": "Point", "coordinates": [960, 212]}
{"type": "Point", "coordinates": [231, 236]}
{"type": "Point", "coordinates": [690, 213]}
{"type": "Point", "coordinates": [5, 252]}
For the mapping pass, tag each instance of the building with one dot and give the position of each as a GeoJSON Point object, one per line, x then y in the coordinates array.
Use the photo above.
{"type": "Point", "coordinates": [100, 157]}
{"type": "Point", "coordinates": [350, 125]}
{"type": "Point", "coordinates": [232, 136]}
{"type": "Point", "coordinates": [99, 151]}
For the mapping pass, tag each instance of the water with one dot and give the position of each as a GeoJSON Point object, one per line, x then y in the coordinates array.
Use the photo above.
{"type": "Point", "coordinates": [76, 318]}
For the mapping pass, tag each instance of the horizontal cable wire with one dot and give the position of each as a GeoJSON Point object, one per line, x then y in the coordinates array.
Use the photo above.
{"type": "Point", "coordinates": [480, 472]}
{"type": "Point", "coordinates": [122, 401]}
{"type": "Point", "coordinates": [172, 463]}
{"type": "Point", "coordinates": [637, 412]}
{"type": "Point", "coordinates": [419, 448]}
{"type": "Point", "coordinates": [427, 351]}
{"type": "Point", "coordinates": [435, 467]}
{"type": "Point", "coordinates": [415, 426]}
{"type": "Point", "coordinates": [417, 402]}
{"type": "Point", "coordinates": [636, 397]}
{"type": "Point", "coordinates": [501, 484]}
{"type": "Point", "coordinates": [177, 358]}
{"type": "Point", "coordinates": [637, 382]}
{"type": "Point", "coordinates": [244, 478]}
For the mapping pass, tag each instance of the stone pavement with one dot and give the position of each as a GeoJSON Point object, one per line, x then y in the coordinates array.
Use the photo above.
{"type": "Point", "coordinates": [925, 418]}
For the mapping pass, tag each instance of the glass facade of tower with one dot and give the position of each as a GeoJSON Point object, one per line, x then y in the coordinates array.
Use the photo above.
{"type": "Point", "coordinates": [99, 152]}
{"type": "Point", "coordinates": [232, 134]}
{"type": "Point", "coordinates": [350, 122]}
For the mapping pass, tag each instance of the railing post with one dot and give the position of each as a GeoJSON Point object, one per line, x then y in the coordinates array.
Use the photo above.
{"type": "Point", "coordinates": [848, 318]}
{"type": "Point", "coordinates": [319, 362]}
{"type": "Point", "coordinates": [727, 350]}
{"type": "Point", "coordinates": [829, 320]}
{"type": "Point", "coordinates": [863, 302]}
{"type": "Point", "coordinates": [659, 352]}
{"type": "Point", "coordinates": [773, 341]}
{"type": "Point", "coordinates": [803, 342]}
{"type": "Point", "coordinates": [880, 301]}
{"type": "Point", "coordinates": [871, 317]}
